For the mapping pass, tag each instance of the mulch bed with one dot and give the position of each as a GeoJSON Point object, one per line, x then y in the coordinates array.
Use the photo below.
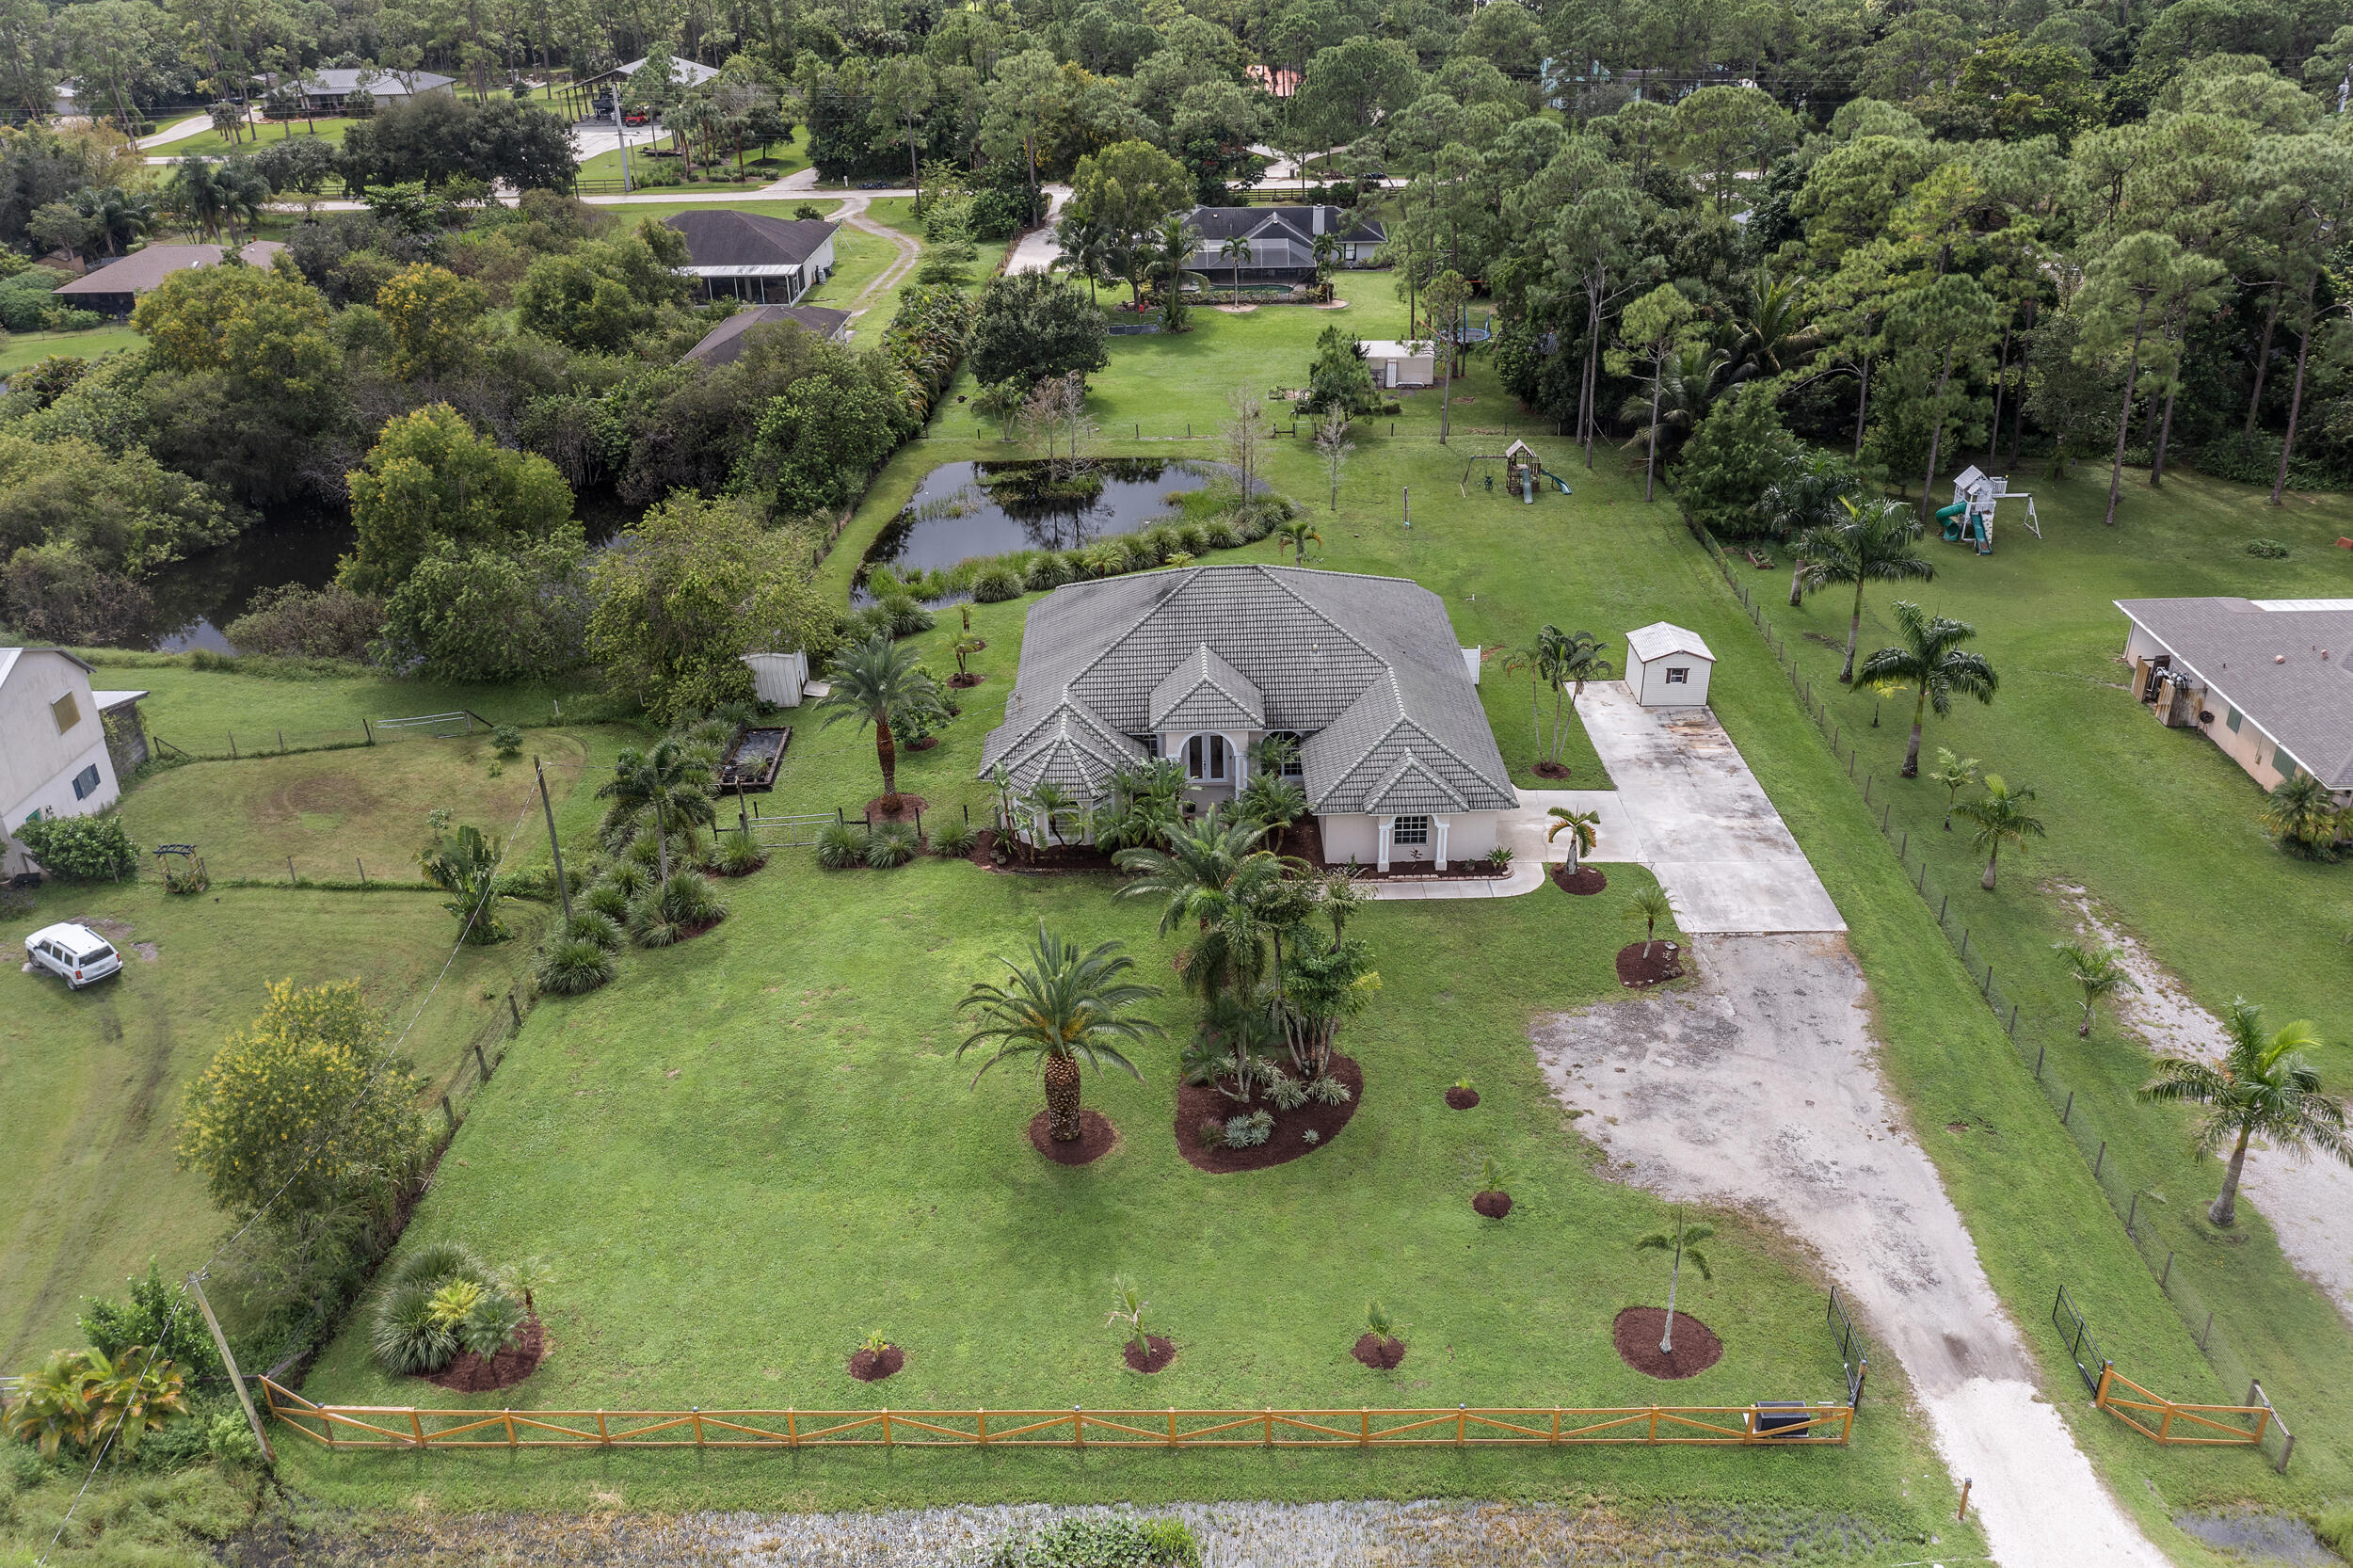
{"type": "Point", "coordinates": [965, 680]}
{"type": "Point", "coordinates": [1197, 1103]}
{"type": "Point", "coordinates": [1160, 1353]}
{"type": "Point", "coordinates": [1495, 1206]}
{"type": "Point", "coordinates": [1379, 1354]}
{"type": "Point", "coordinates": [1096, 1137]}
{"type": "Point", "coordinates": [1636, 1334]}
{"type": "Point", "coordinates": [1588, 880]}
{"type": "Point", "coordinates": [688, 932]}
{"type": "Point", "coordinates": [875, 1366]}
{"type": "Point", "coordinates": [1054, 858]}
{"type": "Point", "coordinates": [1552, 770]}
{"type": "Point", "coordinates": [908, 805]}
{"type": "Point", "coordinates": [1462, 1099]}
{"type": "Point", "coordinates": [717, 869]}
{"type": "Point", "coordinates": [469, 1373]}
{"type": "Point", "coordinates": [1665, 962]}
{"type": "Point", "coordinates": [924, 745]}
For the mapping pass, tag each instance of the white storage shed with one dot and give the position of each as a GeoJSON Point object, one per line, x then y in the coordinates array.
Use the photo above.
{"type": "Point", "coordinates": [1667, 666]}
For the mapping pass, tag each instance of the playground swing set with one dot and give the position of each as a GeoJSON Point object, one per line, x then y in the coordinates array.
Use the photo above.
{"type": "Point", "coordinates": [1970, 519]}
{"type": "Point", "coordinates": [1523, 470]}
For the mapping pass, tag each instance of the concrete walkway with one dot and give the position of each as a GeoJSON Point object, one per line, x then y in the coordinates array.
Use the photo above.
{"type": "Point", "coordinates": [1701, 821]}
{"type": "Point", "coordinates": [1036, 252]}
{"type": "Point", "coordinates": [194, 125]}
{"type": "Point", "coordinates": [1760, 1089]}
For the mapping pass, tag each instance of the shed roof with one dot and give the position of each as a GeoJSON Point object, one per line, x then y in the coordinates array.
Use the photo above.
{"type": "Point", "coordinates": [1661, 638]}
{"type": "Point", "coordinates": [2282, 663]}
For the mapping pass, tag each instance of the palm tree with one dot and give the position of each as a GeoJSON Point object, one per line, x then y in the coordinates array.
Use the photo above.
{"type": "Point", "coordinates": [1578, 657]}
{"type": "Point", "coordinates": [1687, 382]}
{"type": "Point", "coordinates": [1086, 250]}
{"type": "Point", "coordinates": [1061, 1007]}
{"type": "Point", "coordinates": [667, 786]}
{"type": "Point", "coordinates": [1683, 1241]}
{"type": "Point", "coordinates": [876, 683]}
{"type": "Point", "coordinates": [1581, 827]}
{"type": "Point", "coordinates": [2000, 818]}
{"type": "Point", "coordinates": [2097, 973]}
{"type": "Point", "coordinates": [1296, 533]}
{"type": "Point", "coordinates": [1212, 873]}
{"type": "Point", "coordinates": [1956, 774]}
{"type": "Point", "coordinates": [1646, 908]}
{"type": "Point", "coordinates": [1867, 544]}
{"type": "Point", "coordinates": [1934, 664]}
{"type": "Point", "coordinates": [2303, 815]}
{"type": "Point", "coordinates": [1234, 251]}
{"type": "Point", "coordinates": [1047, 800]}
{"type": "Point", "coordinates": [1775, 333]}
{"type": "Point", "coordinates": [1542, 661]}
{"type": "Point", "coordinates": [1176, 242]}
{"type": "Point", "coordinates": [2262, 1088]}
{"type": "Point", "coordinates": [1805, 498]}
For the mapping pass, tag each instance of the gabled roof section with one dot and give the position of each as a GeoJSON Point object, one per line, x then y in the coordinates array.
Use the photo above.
{"type": "Point", "coordinates": [1066, 745]}
{"type": "Point", "coordinates": [1377, 758]}
{"type": "Point", "coordinates": [1205, 693]}
{"type": "Point", "coordinates": [10, 657]}
{"type": "Point", "coordinates": [1413, 787]}
{"type": "Point", "coordinates": [1661, 638]}
{"type": "Point", "coordinates": [725, 239]}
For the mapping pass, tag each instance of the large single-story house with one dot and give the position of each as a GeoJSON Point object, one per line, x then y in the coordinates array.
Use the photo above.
{"type": "Point", "coordinates": [326, 89]}
{"type": "Point", "coordinates": [2265, 679]}
{"type": "Point", "coordinates": [1199, 664]}
{"type": "Point", "coordinates": [1282, 242]}
{"type": "Point", "coordinates": [60, 742]}
{"type": "Point", "coordinates": [752, 257]}
{"type": "Point", "coordinates": [112, 288]}
{"type": "Point", "coordinates": [725, 344]}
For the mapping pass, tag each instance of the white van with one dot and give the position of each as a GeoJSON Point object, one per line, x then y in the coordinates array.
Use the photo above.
{"type": "Point", "coordinates": [74, 954]}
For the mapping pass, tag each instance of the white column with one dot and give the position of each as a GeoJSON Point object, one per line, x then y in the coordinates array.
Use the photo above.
{"type": "Point", "coordinates": [1438, 838]}
{"type": "Point", "coordinates": [1380, 855]}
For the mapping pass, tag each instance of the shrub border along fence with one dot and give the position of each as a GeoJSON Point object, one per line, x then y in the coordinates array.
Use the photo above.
{"type": "Point", "coordinates": [1464, 1426]}
{"type": "Point", "coordinates": [2007, 1011]}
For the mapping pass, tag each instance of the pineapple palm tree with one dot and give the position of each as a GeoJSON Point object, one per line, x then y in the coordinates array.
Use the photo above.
{"type": "Point", "coordinates": [1580, 827]}
{"type": "Point", "coordinates": [1646, 908]}
{"type": "Point", "coordinates": [1683, 1241]}
{"type": "Point", "coordinates": [1061, 1007]}
{"type": "Point", "coordinates": [2097, 972]}
{"type": "Point", "coordinates": [876, 683]}
{"type": "Point", "coordinates": [1212, 873]}
{"type": "Point", "coordinates": [1932, 662]}
{"type": "Point", "coordinates": [1869, 544]}
{"type": "Point", "coordinates": [2000, 817]}
{"type": "Point", "coordinates": [2301, 814]}
{"type": "Point", "coordinates": [2261, 1088]}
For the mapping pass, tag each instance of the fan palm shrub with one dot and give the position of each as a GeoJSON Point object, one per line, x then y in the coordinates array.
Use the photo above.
{"type": "Point", "coordinates": [436, 1302]}
{"type": "Point", "coordinates": [2303, 816]}
{"type": "Point", "coordinates": [666, 787]}
{"type": "Point", "coordinates": [1060, 1006]}
{"type": "Point", "coordinates": [1867, 544]}
{"type": "Point", "coordinates": [2263, 1087]}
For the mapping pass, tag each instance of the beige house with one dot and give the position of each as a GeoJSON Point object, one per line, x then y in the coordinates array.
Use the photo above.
{"type": "Point", "coordinates": [54, 731]}
{"type": "Point", "coordinates": [1197, 665]}
{"type": "Point", "coordinates": [2265, 680]}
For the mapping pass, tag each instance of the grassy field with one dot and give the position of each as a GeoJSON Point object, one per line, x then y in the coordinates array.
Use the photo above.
{"type": "Point", "coordinates": [783, 159]}
{"type": "Point", "coordinates": [629, 210]}
{"type": "Point", "coordinates": [211, 144]}
{"type": "Point", "coordinates": [20, 349]}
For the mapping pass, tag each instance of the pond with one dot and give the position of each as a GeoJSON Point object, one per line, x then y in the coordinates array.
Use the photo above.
{"type": "Point", "coordinates": [962, 510]}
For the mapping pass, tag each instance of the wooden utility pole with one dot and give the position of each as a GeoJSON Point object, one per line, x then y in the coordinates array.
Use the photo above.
{"type": "Point", "coordinates": [228, 1360]}
{"type": "Point", "coordinates": [563, 888]}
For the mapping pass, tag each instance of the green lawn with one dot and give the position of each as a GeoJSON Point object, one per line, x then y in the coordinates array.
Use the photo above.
{"type": "Point", "coordinates": [211, 144]}
{"type": "Point", "coordinates": [23, 349]}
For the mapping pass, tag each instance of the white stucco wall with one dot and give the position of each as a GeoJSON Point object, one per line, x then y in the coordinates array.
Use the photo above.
{"type": "Point", "coordinates": [1647, 680]}
{"type": "Point", "coordinates": [37, 764]}
{"type": "Point", "coordinates": [1469, 835]}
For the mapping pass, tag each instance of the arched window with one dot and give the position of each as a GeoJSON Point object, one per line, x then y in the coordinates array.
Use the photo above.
{"type": "Point", "coordinates": [1205, 758]}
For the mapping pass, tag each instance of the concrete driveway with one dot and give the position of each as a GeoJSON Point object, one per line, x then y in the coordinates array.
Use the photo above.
{"type": "Point", "coordinates": [1698, 817]}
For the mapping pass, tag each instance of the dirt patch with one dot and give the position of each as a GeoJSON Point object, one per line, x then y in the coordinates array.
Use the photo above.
{"type": "Point", "coordinates": [1636, 1334]}
{"type": "Point", "coordinates": [1663, 963]}
{"type": "Point", "coordinates": [1096, 1137]}
{"type": "Point", "coordinates": [909, 807]}
{"type": "Point", "coordinates": [875, 1366]}
{"type": "Point", "coordinates": [1156, 1354]}
{"type": "Point", "coordinates": [1552, 770]}
{"type": "Point", "coordinates": [965, 680]}
{"type": "Point", "coordinates": [147, 951]}
{"type": "Point", "coordinates": [1460, 1098]}
{"type": "Point", "coordinates": [1052, 859]}
{"type": "Point", "coordinates": [1494, 1205]}
{"type": "Point", "coordinates": [469, 1373]}
{"type": "Point", "coordinates": [1197, 1103]}
{"type": "Point", "coordinates": [1381, 1355]}
{"type": "Point", "coordinates": [1588, 880]}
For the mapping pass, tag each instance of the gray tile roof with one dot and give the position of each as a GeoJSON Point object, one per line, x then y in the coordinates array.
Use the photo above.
{"type": "Point", "coordinates": [724, 238]}
{"type": "Point", "coordinates": [1204, 692]}
{"type": "Point", "coordinates": [1367, 669]}
{"type": "Point", "coordinates": [725, 344]}
{"type": "Point", "coordinates": [2283, 668]}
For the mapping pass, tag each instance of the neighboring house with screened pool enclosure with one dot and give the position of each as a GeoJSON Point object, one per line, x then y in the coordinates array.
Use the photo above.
{"type": "Point", "coordinates": [1199, 665]}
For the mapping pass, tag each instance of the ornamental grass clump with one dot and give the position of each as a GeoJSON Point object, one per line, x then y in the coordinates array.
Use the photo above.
{"type": "Point", "coordinates": [572, 968]}
{"type": "Point", "coordinates": [438, 1301]}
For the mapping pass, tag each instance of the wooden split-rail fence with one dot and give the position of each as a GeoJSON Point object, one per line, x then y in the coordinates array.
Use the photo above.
{"type": "Point", "coordinates": [363, 1427]}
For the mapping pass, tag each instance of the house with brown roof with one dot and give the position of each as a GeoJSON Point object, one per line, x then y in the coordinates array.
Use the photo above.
{"type": "Point", "coordinates": [113, 288]}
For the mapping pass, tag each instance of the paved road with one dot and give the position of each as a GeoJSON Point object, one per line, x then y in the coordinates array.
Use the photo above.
{"type": "Point", "coordinates": [1702, 823]}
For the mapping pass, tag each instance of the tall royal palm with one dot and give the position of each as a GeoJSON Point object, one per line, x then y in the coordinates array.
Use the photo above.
{"type": "Point", "coordinates": [2261, 1088]}
{"type": "Point", "coordinates": [1866, 544]}
{"type": "Point", "coordinates": [1932, 662]}
{"type": "Point", "coordinates": [1063, 1007]}
{"type": "Point", "coordinates": [876, 682]}
{"type": "Point", "coordinates": [668, 785]}
{"type": "Point", "coordinates": [1234, 251]}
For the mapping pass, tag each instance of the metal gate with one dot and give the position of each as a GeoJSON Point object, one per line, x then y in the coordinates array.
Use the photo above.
{"type": "Point", "coordinates": [2077, 1334]}
{"type": "Point", "coordinates": [788, 832]}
